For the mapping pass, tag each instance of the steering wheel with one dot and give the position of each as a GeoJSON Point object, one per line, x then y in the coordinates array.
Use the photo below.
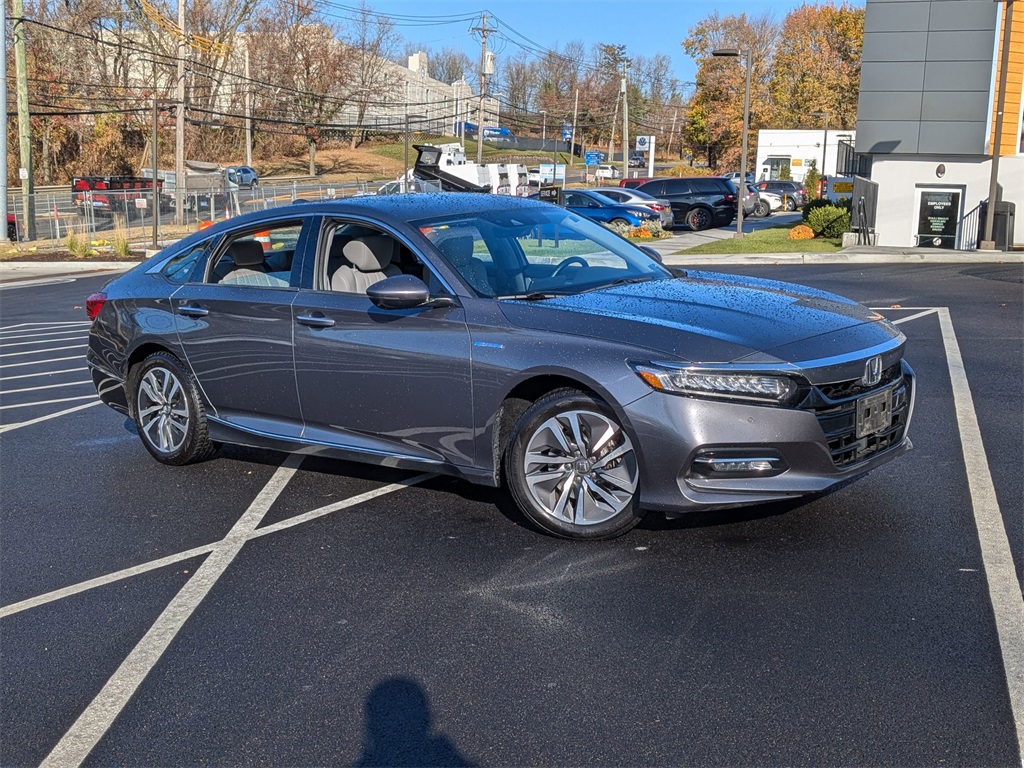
{"type": "Point", "coordinates": [571, 260]}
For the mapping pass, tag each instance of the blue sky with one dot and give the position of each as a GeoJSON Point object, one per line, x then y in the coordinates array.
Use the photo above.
{"type": "Point", "coordinates": [645, 28]}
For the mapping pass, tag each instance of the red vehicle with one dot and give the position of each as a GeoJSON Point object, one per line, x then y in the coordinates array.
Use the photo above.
{"type": "Point", "coordinates": [107, 195]}
{"type": "Point", "coordinates": [635, 182]}
{"type": "Point", "coordinates": [12, 228]}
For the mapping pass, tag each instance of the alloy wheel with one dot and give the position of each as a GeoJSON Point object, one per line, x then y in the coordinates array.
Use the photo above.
{"type": "Point", "coordinates": [162, 411]}
{"type": "Point", "coordinates": [580, 467]}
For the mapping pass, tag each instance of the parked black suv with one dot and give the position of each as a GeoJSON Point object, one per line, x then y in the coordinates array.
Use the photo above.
{"type": "Point", "coordinates": [793, 192]}
{"type": "Point", "coordinates": [699, 202]}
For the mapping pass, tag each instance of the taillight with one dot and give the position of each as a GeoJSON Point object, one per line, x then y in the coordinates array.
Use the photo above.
{"type": "Point", "coordinates": [94, 304]}
{"type": "Point", "coordinates": [656, 207]}
{"type": "Point", "coordinates": [729, 198]}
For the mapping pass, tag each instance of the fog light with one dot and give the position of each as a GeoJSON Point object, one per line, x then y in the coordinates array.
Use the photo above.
{"type": "Point", "coordinates": [734, 463]}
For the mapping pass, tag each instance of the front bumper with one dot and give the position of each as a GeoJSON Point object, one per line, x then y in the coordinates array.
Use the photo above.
{"type": "Point", "coordinates": [817, 445]}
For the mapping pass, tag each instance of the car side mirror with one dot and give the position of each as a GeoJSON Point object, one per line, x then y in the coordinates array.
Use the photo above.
{"type": "Point", "coordinates": [402, 292]}
{"type": "Point", "coordinates": [652, 253]}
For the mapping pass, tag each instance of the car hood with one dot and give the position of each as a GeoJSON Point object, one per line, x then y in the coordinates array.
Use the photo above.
{"type": "Point", "coordinates": [713, 318]}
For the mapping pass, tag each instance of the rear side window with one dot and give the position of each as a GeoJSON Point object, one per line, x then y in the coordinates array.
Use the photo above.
{"type": "Point", "coordinates": [178, 269]}
{"type": "Point", "coordinates": [707, 186]}
{"type": "Point", "coordinates": [260, 259]}
{"type": "Point", "coordinates": [676, 187]}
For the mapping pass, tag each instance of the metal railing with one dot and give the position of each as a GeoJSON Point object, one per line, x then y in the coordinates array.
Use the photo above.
{"type": "Point", "coordinates": [101, 215]}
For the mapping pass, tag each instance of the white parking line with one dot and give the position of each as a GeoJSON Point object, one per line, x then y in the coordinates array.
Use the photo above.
{"type": "Point", "coordinates": [76, 337]}
{"type": "Point", "coordinates": [43, 386]}
{"type": "Point", "coordinates": [41, 373]}
{"type": "Point", "coordinates": [1003, 588]}
{"type": "Point", "coordinates": [30, 422]}
{"type": "Point", "coordinates": [7, 286]}
{"type": "Point", "coordinates": [5, 366]}
{"type": "Point", "coordinates": [97, 718]}
{"type": "Point", "coordinates": [152, 565]}
{"type": "Point", "coordinates": [914, 317]}
{"type": "Point", "coordinates": [35, 335]}
{"type": "Point", "coordinates": [47, 402]}
{"type": "Point", "coordinates": [45, 351]}
{"type": "Point", "coordinates": [45, 324]}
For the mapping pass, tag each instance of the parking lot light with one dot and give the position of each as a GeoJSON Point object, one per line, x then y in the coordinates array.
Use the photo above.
{"type": "Point", "coordinates": [745, 55]}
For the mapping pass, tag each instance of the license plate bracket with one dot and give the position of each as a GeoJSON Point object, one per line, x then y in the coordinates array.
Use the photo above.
{"type": "Point", "coordinates": [874, 413]}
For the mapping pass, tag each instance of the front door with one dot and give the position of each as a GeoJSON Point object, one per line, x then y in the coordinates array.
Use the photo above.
{"type": "Point", "coordinates": [235, 327]}
{"type": "Point", "coordinates": [393, 382]}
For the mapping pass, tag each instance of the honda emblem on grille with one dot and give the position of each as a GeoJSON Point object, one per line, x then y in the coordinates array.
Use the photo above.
{"type": "Point", "coordinates": [872, 371]}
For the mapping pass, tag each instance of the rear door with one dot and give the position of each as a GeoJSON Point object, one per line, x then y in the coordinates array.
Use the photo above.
{"type": "Point", "coordinates": [234, 324]}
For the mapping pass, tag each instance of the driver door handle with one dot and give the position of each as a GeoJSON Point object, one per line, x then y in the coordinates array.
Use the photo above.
{"type": "Point", "coordinates": [193, 310]}
{"type": "Point", "coordinates": [314, 321]}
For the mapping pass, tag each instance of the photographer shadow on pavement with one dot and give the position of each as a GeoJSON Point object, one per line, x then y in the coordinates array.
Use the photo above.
{"type": "Point", "coordinates": [398, 729]}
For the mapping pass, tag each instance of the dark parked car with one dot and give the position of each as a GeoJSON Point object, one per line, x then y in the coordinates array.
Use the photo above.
{"type": "Point", "coordinates": [699, 202]}
{"type": "Point", "coordinates": [793, 193]}
{"type": "Point", "coordinates": [439, 332]}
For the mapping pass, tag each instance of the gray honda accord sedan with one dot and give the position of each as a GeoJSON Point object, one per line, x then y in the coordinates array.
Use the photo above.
{"type": "Point", "coordinates": [505, 341]}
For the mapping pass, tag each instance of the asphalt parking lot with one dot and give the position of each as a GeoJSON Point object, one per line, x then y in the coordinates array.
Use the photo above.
{"type": "Point", "coordinates": [259, 609]}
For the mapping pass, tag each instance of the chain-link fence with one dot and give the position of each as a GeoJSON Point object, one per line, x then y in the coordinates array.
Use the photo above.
{"type": "Point", "coordinates": [128, 214]}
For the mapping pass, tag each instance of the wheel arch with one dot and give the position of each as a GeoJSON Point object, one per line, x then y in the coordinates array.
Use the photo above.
{"type": "Point", "coordinates": [527, 390]}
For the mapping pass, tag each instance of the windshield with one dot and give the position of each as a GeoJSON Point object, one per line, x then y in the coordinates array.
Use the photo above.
{"type": "Point", "coordinates": [534, 252]}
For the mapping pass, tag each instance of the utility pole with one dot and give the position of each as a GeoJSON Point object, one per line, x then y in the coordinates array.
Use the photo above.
{"type": "Point", "coordinates": [179, 128]}
{"type": "Point", "coordinates": [987, 242]}
{"type": "Point", "coordinates": [28, 226]}
{"type": "Point", "coordinates": [484, 32]}
{"type": "Point", "coordinates": [672, 135]}
{"type": "Point", "coordinates": [248, 110]}
{"type": "Point", "coordinates": [611, 136]}
{"type": "Point", "coordinates": [625, 119]}
{"type": "Point", "coordinates": [3, 124]}
{"type": "Point", "coordinates": [572, 139]}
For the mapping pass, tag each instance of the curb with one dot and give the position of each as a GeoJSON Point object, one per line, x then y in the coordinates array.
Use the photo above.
{"type": "Point", "coordinates": [959, 257]}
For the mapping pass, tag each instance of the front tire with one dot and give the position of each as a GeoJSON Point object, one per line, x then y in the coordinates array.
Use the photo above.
{"type": "Point", "coordinates": [169, 414]}
{"type": "Point", "coordinates": [572, 469]}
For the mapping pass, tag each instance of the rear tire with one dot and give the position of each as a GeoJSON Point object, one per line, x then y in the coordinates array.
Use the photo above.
{"type": "Point", "coordinates": [762, 210]}
{"type": "Point", "coordinates": [169, 413]}
{"type": "Point", "coordinates": [698, 219]}
{"type": "Point", "coordinates": [621, 221]}
{"type": "Point", "coordinates": [572, 469]}
{"type": "Point", "coordinates": [790, 204]}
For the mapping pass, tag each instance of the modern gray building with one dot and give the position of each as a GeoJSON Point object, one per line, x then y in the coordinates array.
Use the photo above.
{"type": "Point", "coordinates": [926, 118]}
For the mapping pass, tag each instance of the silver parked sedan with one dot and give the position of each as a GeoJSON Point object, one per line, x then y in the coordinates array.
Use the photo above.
{"type": "Point", "coordinates": [627, 196]}
{"type": "Point", "coordinates": [505, 341]}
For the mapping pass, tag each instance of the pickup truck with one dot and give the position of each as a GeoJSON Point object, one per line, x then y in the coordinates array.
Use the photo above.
{"type": "Point", "coordinates": [107, 195]}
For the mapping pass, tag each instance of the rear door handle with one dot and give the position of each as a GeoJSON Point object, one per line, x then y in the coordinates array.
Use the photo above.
{"type": "Point", "coordinates": [315, 321]}
{"type": "Point", "coordinates": [193, 311]}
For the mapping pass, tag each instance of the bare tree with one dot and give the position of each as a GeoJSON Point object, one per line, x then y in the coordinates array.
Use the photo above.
{"type": "Point", "coordinates": [374, 41]}
{"type": "Point", "coordinates": [449, 65]}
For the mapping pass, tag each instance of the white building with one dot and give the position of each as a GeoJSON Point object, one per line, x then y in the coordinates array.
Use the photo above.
{"type": "Point", "coordinates": [796, 149]}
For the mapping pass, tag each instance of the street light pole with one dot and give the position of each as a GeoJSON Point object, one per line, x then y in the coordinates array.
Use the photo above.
{"type": "Point", "coordinates": [741, 191]}
{"type": "Point", "coordinates": [544, 130]}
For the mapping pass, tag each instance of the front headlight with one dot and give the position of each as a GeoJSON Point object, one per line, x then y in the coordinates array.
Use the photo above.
{"type": "Point", "coordinates": [727, 385]}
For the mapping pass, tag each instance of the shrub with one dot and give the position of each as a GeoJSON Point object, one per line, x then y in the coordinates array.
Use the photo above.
{"type": "Point", "coordinates": [822, 202]}
{"type": "Point", "coordinates": [120, 245]}
{"type": "Point", "coordinates": [801, 232]}
{"type": "Point", "coordinates": [829, 220]}
{"type": "Point", "coordinates": [811, 179]}
{"type": "Point", "coordinates": [77, 245]}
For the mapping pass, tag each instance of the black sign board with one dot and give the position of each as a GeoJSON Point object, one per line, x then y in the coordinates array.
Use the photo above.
{"type": "Point", "coordinates": [939, 220]}
{"type": "Point", "coordinates": [550, 195]}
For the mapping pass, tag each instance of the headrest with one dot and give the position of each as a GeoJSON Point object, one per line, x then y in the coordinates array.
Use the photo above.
{"type": "Point", "coordinates": [246, 253]}
{"type": "Point", "coordinates": [458, 250]}
{"type": "Point", "coordinates": [370, 254]}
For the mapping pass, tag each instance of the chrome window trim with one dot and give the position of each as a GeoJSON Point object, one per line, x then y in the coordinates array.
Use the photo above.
{"type": "Point", "coordinates": [786, 368]}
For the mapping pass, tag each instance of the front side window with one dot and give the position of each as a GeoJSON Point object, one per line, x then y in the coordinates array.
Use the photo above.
{"type": "Point", "coordinates": [545, 249]}
{"type": "Point", "coordinates": [261, 258]}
